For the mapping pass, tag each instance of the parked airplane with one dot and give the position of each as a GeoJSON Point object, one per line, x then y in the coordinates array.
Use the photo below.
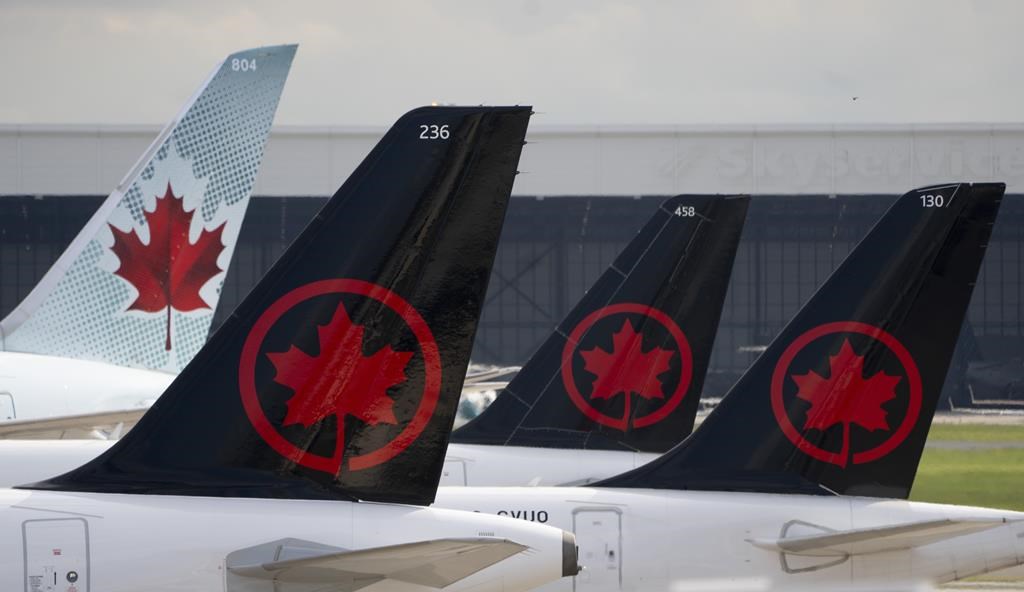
{"type": "Point", "coordinates": [335, 380]}
{"type": "Point", "coordinates": [130, 301]}
{"type": "Point", "coordinates": [619, 380]}
{"type": "Point", "coordinates": [800, 476]}
{"type": "Point", "coordinates": [646, 325]}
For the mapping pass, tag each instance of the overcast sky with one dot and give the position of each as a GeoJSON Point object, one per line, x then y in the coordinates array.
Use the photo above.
{"type": "Point", "coordinates": [577, 61]}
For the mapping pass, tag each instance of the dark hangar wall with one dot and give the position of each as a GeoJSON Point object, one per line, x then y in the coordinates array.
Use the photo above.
{"type": "Point", "coordinates": [553, 248]}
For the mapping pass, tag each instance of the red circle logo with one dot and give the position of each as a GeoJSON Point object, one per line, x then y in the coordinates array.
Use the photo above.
{"type": "Point", "coordinates": [376, 376]}
{"type": "Point", "coordinates": [627, 369]}
{"type": "Point", "coordinates": [849, 395]}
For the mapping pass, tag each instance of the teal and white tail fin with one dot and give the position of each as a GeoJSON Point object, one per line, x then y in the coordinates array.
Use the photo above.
{"type": "Point", "coordinates": [139, 284]}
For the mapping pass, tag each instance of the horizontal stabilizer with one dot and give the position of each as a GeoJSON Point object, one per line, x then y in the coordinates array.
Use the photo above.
{"type": "Point", "coordinates": [876, 540]}
{"type": "Point", "coordinates": [80, 426]}
{"type": "Point", "coordinates": [437, 564]}
{"type": "Point", "coordinates": [113, 424]}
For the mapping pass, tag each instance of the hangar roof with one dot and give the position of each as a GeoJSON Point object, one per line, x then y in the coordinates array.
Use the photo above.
{"type": "Point", "coordinates": [573, 160]}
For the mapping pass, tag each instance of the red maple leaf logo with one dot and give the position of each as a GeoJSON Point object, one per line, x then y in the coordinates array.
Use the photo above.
{"type": "Point", "coordinates": [627, 369]}
{"type": "Point", "coordinates": [341, 380]}
{"type": "Point", "coordinates": [168, 271]}
{"type": "Point", "coordinates": [846, 397]}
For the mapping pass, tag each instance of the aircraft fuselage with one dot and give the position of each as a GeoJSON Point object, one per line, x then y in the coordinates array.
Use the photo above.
{"type": "Point", "coordinates": [34, 386]}
{"type": "Point", "coordinates": [28, 461]}
{"type": "Point", "coordinates": [125, 543]}
{"type": "Point", "coordinates": [636, 540]}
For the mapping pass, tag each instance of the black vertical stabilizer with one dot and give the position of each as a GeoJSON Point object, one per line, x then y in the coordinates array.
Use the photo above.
{"type": "Point", "coordinates": [339, 375]}
{"type": "Point", "coordinates": [624, 370]}
{"type": "Point", "coordinates": [842, 399]}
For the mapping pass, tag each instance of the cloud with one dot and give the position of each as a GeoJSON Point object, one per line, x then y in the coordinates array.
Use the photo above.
{"type": "Point", "coordinates": [578, 61]}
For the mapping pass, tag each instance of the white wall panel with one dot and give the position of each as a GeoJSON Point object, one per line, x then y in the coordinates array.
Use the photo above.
{"type": "Point", "coordinates": [118, 152]}
{"type": "Point", "coordinates": [347, 150]}
{"type": "Point", "coordinates": [713, 163]}
{"type": "Point", "coordinates": [942, 157]}
{"type": "Point", "coordinates": [10, 164]}
{"type": "Point", "coordinates": [867, 162]}
{"type": "Point", "coordinates": [787, 162]}
{"type": "Point", "coordinates": [635, 164]}
{"type": "Point", "coordinates": [577, 160]}
{"type": "Point", "coordinates": [295, 164]}
{"type": "Point", "coordinates": [55, 163]}
{"type": "Point", "coordinates": [560, 164]}
{"type": "Point", "coordinates": [1008, 158]}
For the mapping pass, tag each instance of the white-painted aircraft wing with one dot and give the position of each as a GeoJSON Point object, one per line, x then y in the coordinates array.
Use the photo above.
{"type": "Point", "coordinates": [437, 564]}
{"type": "Point", "coordinates": [877, 540]}
{"type": "Point", "coordinates": [757, 584]}
{"type": "Point", "coordinates": [102, 425]}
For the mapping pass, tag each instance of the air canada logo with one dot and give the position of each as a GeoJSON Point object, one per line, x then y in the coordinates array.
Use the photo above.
{"type": "Point", "coordinates": [168, 270]}
{"type": "Point", "coordinates": [846, 393]}
{"type": "Point", "coordinates": [334, 357]}
{"type": "Point", "coordinates": [633, 363]}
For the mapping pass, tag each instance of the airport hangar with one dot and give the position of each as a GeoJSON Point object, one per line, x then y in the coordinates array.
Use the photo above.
{"type": "Point", "coordinates": [584, 191]}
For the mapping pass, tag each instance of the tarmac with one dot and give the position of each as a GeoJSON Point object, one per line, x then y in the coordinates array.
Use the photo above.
{"type": "Point", "coordinates": [985, 586]}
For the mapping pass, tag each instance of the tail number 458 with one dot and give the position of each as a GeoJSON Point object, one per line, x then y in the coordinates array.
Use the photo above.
{"type": "Point", "coordinates": [434, 132]}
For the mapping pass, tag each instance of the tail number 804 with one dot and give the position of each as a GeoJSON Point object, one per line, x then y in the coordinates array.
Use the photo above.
{"type": "Point", "coordinates": [243, 65]}
{"type": "Point", "coordinates": [434, 132]}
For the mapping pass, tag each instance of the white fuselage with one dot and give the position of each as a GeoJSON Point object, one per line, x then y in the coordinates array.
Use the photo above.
{"type": "Point", "coordinates": [478, 465]}
{"type": "Point", "coordinates": [128, 543]}
{"type": "Point", "coordinates": [641, 540]}
{"type": "Point", "coordinates": [34, 386]}
{"type": "Point", "coordinates": [28, 461]}
{"type": "Point", "coordinates": [638, 540]}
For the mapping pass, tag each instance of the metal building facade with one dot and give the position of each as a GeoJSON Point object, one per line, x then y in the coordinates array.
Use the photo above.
{"type": "Point", "coordinates": [584, 194]}
{"type": "Point", "coordinates": [552, 249]}
{"type": "Point", "coordinates": [578, 160]}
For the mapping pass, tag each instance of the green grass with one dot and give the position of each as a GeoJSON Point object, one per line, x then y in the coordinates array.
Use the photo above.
{"type": "Point", "coordinates": [977, 432]}
{"type": "Point", "coordinates": [992, 478]}
{"type": "Point", "coordinates": [987, 477]}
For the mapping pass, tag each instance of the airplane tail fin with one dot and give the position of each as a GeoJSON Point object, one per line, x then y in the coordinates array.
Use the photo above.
{"type": "Point", "coordinates": [139, 284]}
{"type": "Point", "coordinates": [841, 401]}
{"type": "Point", "coordinates": [624, 370]}
{"type": "Point", "coordinates": [339, 375]}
